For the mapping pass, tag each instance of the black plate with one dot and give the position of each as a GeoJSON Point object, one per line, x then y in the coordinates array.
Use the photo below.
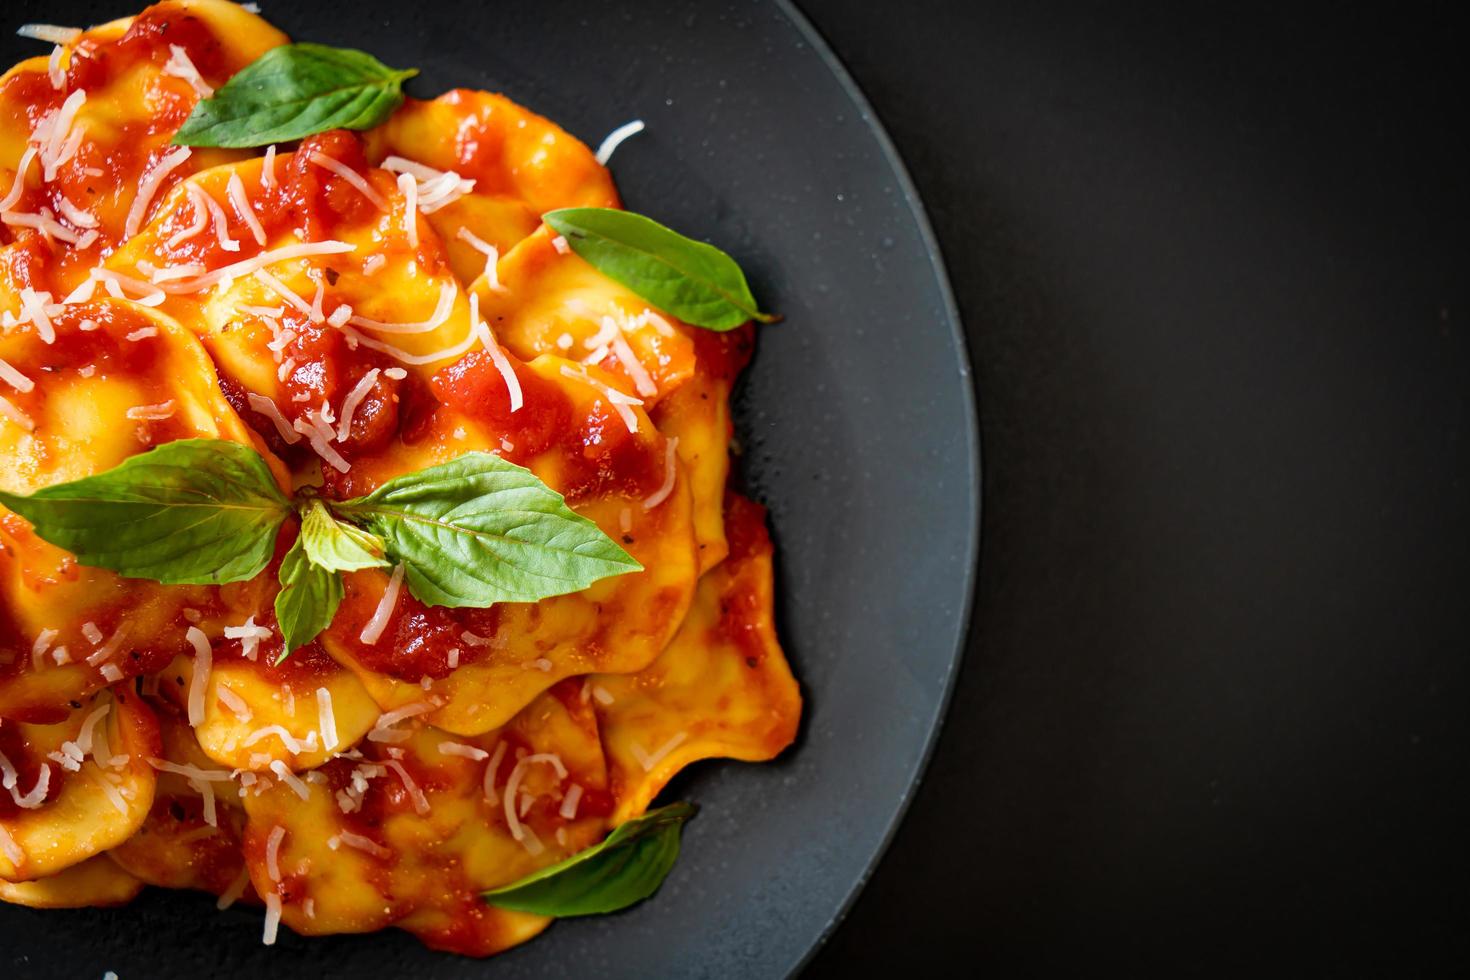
{"type": "Point", "coordinates": [858, 431]}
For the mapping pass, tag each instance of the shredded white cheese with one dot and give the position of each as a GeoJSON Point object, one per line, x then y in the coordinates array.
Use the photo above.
{"type": "Point", "coordinates": [268, 168]}
{"type": "Point", "coordinates": [267, 407]}
{"type": "Point", "coordinates": [165, 165]}
{"type": "Point", "coordinates": [354, 398]}
{"type": "Point", "coordinates": [420, 801]}
{"type": "Point", "coordinates": [14, 378]}
{"type": "Point", "coordinates": [326, 718]}
{"type": "Point", "coordinates": [156, 413]}
{"type": "Point", "coordinates": [463, 751]}
{"type": "Point", "coordinates": [13, 412]}
{"type": "Point", "coordinates": [616, 138]}
{"type": "Point", "coordinates": [478, 328]}
{"type": "Point", "coordinates": [237, 705]}
{"type": "Point", "coordinates": [201, 217]}
{"type": "Point", "coordinates": [51, 33]}
{"type": "Point", "coordinates": [273, 852]}
{"type": "Point", "coordinates": [180, 66]}
{"type": "Point", "coordinates": [288, 777]}
{"type": "Point", "coordinates": [409, 188]}
{"type": "Point", "coordinates": [199, 676]}
{"type": "Point", "coordinates": [671, 470]}
{"type": "Point", "coordinates": [348, 174]}
{"type": "Point", "coordinates": [272, 919]}
{"type": "Point", "coordinates": [293, 745]}
{"type": "Point", "coordinates": [232, 894]}
{"type": "Point", "coordinates": [241, 202]}
{"type": "Point", "coordinates": [249, 633]}
{"type": "Point", "coordinates": [650, 759]}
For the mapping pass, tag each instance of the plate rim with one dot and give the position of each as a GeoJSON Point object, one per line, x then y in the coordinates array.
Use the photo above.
{"type": "Point", "coordinates": [975, 469]}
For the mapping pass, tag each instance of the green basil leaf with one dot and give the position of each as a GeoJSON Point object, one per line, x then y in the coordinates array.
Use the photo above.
{"type": "Point", "coordinates": [191, 512]}
{"type": "Point", "coordinates": [695, 282]}
{"type": "Point", "coordinates": [480, 530]}
{"type": "Point", "coordinates": [308, 599]}
{"type": "Point", "coordinates": [295, 91]}
{"type": "Point", "coordinates": [621, 871]}
{"type": "Point", "coordinates": [335, 545]}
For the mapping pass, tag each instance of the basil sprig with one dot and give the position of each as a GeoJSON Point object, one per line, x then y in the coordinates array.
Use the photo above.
{"type": "Point", "coordinates": [308, 600]}
{"type": "Point", "coordinates": [478, 530]}
{"type": "Point", "coordinates": [627, 867]}
{"type": "Point", "coordinates": [471, 532]}
{"type": "Point", "coordinates": [697, 283]}
{"type": "Point", "coordinates": [294, 91]}
{"type": "Point", "coordinates": [191, 512]}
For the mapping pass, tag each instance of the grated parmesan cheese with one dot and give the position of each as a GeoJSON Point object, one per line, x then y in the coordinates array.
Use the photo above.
{"type": "Point", "coordinates": [615, 139]}
{"type": "Point", "coordinates": [155, 413]}
{"type": "Point", "coordinates": [650, 759]}
{"type": "Point", "coordinates": [249, 633]}
{"type": "Point", "coordinates": [326, 718]}
{"type": "Point", "coordinates": [478, 328]}
{"type": "Point", "coordinates": [237, 705]}
{"type": "Point", "coordinates": [148, 189]}
{"type": "Point", "coordinates": [463, 751]}
{"type": "Point", "coordinates": [14, 378]}
{"type": "Point", "coordinates": [241, 203]}
{"type": "Point", "coordinates": [273, 852]}
{"type": "Point", "coordinates": [354, 398]}
{"type": "Point", "coordinates": [199, 676]}
{"type": "Point", "coordinates": [268, 168]}
{"type": "Point", "coordinates": [420, 801]}
{"type": "Point", "coordinates": [348, 174]}
{"type": "Point", "coordinates": [11, 411]}
{"type": "Point", "coordinates": [409, 188]}
{"type": "Point", "coordinates": [201, 217]}
{"type": "Point", "coordinates": [272, 919]}
{"type": "Point", "coordinates": [267, 407]}
{"type": "Point", "coordinates": [290, 779]}
{"type": "Point", "coordinates": [232, 894]}
{"type": "Point", "coordinates": [180, 66]}
{"type": "Point", "coordinates": [51, 33]}
{"type": "Point", "coordinates": [671, 472]}
{"type": "Point", "coordinates": [374, 628]}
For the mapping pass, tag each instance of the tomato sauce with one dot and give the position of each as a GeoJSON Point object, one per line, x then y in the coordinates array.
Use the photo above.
{"type": "Point", "coordinates": [418, 639]}
{"type": "Point", "coordinates": [601, 458]}
{"type": "Point", "coordinates": [745, 613]}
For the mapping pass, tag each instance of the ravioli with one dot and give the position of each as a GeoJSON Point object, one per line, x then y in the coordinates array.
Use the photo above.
{"type": "Point", "coordinates": [191, 837]}
{"type": "Point", "coordinates": [257, 713]}
{"type": "Point", "coordinates": [76, 787]}
{"type": "Point", "coordinates": [549, 300]}
{"type": "Point", "coordinates": [117, 379]}
{"type": "Point", "coordinates": [123, 122]}
{"type": "Point", "coordinates": [96, 881]}
{"type": "Point", "coordinates": [503, 657]}
{"type": "Point", "coordinates": [722, 688]}
{"type": "Point", "coordinates": [522, 165]}
{"type": "Point", "coordinates": [410, 832]}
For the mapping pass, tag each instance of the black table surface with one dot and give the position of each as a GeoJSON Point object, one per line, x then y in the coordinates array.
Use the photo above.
{"type": "Point", "coordinates": [1212, 261]}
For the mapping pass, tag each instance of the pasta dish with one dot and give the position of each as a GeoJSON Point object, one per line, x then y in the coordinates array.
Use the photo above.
{"type": "Point", "coordinates": [368, 549]}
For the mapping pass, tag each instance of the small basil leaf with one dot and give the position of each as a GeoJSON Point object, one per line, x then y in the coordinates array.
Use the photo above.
{"type": "Point", "coordinates": [621, 871]}
{"type": "Point", "coordinates": [334, 545]}
{"type": "Point", "coordinates": [294, 91]}
{"type": "Point", "coordinates": [308, 599]}
{"type": "Point", "coordinates": [191, 512]}
{"type": "Point", "coordinates": [480, 530]}
{"type": "Point", "coordinates": [695, 282]}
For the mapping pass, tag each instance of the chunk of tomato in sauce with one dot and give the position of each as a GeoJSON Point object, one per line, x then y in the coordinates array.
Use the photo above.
{"type": "Point", "coordinates": [474, 386]}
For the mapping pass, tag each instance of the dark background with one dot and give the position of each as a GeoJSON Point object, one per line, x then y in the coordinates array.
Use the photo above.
{"type": "Point", "coordinates": [1212, 262]}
